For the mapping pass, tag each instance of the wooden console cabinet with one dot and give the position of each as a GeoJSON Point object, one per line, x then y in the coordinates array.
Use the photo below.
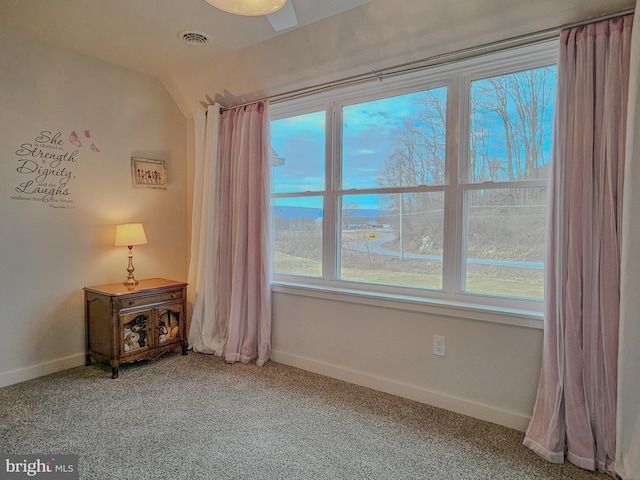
{"type": "Point", "coordinates": [125, 324]}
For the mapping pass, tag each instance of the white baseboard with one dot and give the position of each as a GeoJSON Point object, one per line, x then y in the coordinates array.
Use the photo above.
{"type": "Point", "coordinates": [40, 370]}
{"type": "Point", "coordinates": [465, 407]}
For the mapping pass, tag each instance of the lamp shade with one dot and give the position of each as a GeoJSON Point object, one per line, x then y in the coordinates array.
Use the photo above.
{"type": "Point", "coordinates": [130, 234]}
{"type": "Point", "coordinates": [251, 8]}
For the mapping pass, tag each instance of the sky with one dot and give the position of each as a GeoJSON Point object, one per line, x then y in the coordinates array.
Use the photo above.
{"type": "Point", "coordinates": [368, 133]}
{"type": "Point", "coordinates": [368, 130]}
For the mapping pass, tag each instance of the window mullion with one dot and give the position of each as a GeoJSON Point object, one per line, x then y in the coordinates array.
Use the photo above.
{"type": "Point", "coordinates": [452, 223]}
{"type": "Point", "coordinates": [506, 185]}
{"type": "Point", "coordinates": [331, 214]}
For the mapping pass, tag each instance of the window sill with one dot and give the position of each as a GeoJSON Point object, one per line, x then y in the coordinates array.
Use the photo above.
{"type": "Point", "coordinates": [444, 308]}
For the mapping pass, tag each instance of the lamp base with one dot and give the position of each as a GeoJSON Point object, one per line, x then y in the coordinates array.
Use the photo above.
{"type": "Point", "coordinates": [130, 282]}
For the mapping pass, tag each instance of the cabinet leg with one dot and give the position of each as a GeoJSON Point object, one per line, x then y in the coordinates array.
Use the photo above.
{"type": "Point", "coordinates": [184, 348]}
{"type": "Point", "coordinates": [114, 372]}
{"type": "Point", "coordinates": [87, 360]}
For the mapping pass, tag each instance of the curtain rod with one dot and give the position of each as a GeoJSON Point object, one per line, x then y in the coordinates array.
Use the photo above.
{"type": "Point", "coordinates": [425, 63]}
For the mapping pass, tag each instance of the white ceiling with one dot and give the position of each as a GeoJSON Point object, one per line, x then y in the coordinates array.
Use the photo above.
{"type": "Point", "coordinates": [142, 34]}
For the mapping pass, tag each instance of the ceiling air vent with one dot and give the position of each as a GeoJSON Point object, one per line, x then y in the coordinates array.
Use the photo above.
{"type": "Point", "coordinates": [194, 38]}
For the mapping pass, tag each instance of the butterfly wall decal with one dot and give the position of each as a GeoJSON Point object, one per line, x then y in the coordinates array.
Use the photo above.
{"type": "Point", "coordinates": [75, 140]}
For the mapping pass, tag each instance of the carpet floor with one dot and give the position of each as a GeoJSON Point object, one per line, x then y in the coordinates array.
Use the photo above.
{"type": "Point", "coordinates": [196, 417]}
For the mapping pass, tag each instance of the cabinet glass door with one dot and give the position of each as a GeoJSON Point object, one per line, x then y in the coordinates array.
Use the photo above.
{"type": "Point", "coordinates": [135, 332]}
{"type": "Point", "coordinates": [169, 324]}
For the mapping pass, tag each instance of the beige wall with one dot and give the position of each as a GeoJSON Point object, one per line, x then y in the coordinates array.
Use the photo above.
{"type": "Point", "coordinates": [490, 370]}
{"type": "Point", "coordinates": [48, 252]}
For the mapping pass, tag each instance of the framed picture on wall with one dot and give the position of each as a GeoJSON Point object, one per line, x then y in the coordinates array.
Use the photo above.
{"type": "Point", "coordinates": [147, 173]}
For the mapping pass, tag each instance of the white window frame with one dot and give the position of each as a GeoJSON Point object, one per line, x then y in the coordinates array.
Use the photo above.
{"type": "Point", "coordinates": [452, 301]}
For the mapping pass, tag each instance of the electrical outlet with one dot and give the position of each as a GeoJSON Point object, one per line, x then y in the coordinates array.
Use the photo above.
{"type": "Point", "coordinates": [438, 345]}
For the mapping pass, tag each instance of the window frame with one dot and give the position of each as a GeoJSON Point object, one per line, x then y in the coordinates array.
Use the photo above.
{"type": "Point", "coordinates": [457, 78]}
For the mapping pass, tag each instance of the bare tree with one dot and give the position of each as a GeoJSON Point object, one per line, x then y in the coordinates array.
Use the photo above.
{"type": "Point", "coordinates": [509, 125]}
{"type": "Point", "coordinates": [511, 112]}
{"type": "Point", "coordinates": [418, 156]}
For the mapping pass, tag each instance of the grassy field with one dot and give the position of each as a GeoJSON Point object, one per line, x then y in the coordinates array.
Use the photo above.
{"type": "Point", "coordinates": [486, 280]}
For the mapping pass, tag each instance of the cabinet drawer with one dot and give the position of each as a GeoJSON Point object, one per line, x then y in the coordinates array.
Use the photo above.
{"type": "Point", "coordinates": [145, 300]}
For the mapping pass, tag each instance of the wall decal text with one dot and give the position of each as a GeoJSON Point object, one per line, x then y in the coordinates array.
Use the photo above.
{"type": "Point", "coordinates": [45, 167]}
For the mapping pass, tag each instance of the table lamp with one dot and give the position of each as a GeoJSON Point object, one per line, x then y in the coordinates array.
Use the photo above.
{"type": "Point", "coordinates": [130, 234]}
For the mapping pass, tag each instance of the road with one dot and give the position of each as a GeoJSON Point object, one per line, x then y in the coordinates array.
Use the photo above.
{"type": "Point", "coordinates": [375, 246]}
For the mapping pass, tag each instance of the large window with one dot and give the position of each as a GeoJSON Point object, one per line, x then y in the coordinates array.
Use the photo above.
{"type": "Point", "coordinates": [432, 185]}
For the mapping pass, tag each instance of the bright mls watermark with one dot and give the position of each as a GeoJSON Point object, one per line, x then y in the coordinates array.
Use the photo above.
{"type": "Point", "coordinates": [51, 467]}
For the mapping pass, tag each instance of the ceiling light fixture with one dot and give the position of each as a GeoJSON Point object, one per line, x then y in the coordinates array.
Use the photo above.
{"type": "Point", "coordinates": [250, 8]}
